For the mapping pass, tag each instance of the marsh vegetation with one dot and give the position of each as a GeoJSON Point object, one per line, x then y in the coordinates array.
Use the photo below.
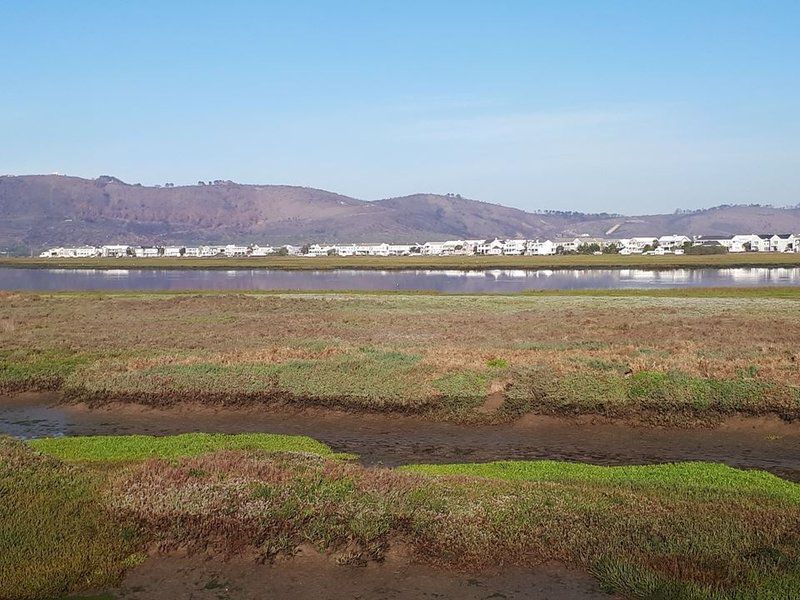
{"type": "Point", "coordinates": [657, 357]}
{"type": "Point", "coordinates": [690, 530]}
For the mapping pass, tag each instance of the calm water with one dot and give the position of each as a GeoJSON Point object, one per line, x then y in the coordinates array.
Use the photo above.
{"type": "Point", "coordinates": [401, 439]}
{"type": "Point", "coordinates": [494, 280]}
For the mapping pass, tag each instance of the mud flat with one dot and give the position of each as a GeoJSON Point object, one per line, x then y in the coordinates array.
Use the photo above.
{"type": "Point", "coordinates": [744, 442]}
{"type": "Point", "coordinates": [310, 576]}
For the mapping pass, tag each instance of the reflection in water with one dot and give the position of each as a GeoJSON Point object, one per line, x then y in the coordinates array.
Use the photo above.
{"type": "Point", "coordinates": [490, 280]}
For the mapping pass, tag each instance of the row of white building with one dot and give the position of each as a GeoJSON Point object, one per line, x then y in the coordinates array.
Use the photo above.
{"type": "Point", "coordinates": [664, 244]}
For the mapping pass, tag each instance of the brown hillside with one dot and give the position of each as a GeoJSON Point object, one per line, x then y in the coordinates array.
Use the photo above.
{"type": "Point", "coordinates": [42, 210]}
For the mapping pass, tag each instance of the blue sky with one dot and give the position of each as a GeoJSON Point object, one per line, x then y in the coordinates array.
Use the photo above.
{"type": "Point", "coordinates": [633, 107]}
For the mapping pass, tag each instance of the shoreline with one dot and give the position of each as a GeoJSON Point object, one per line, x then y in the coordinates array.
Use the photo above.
{"type": "Point", "coordinates": [466, 263]}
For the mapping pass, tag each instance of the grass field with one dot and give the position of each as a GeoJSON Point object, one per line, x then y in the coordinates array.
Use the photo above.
{"type": "Point", "coordinates": [742, 259]}
{"type": "Point", "coordinates": [690, 530]}
{"type": "Point", "coordinates": [660, 356]}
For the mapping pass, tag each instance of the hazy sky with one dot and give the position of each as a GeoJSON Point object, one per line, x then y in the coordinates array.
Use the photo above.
{"type": "Point", "coordinates": [632, 107]}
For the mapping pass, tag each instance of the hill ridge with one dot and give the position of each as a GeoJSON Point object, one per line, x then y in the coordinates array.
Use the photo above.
{"type": "Point", "coordinates": [43, 210]}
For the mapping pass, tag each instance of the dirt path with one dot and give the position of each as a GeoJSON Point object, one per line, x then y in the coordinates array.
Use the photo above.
{"type": "Point", "coordinates": [312, 577]}
{"type": "Point", "coordinates": [763, 443]}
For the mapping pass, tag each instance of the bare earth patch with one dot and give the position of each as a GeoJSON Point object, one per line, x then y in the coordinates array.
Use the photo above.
{"type": "Point", "coordinates": [311, 576]}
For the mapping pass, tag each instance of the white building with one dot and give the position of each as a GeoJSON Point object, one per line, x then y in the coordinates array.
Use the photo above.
{"type": "Point", "coordinates": [453, 247]}
{"type": "Point", "coordinates": [319, 250]}
{"type": "Point", "coordinates": [726, 241]}
{"type": "Point", "coordinates": [211, 251]}
{"type": "Point", "coordinates": [749, 242]}
{"type": "Point", "coordinates": [79, 252]}
{"type": "Point", "coordinates": [232, 250]}
{"type": "Point", "coordinates": [372, 249]}
{"type": "Point", "coordinates": [400, 249]}
{"type": "Point", "coordinates": [432, 248]}
{"type": "Point", "coordinates": [174, 251]}
{"type": "Point", "coordinates": [514, 247]}
{"type": "Point", "coordinates": [673, 242]}
{"type": "Point", "coordinates": [636, 245]}
{"type": "Point", "coordinates": [114, 251]}
{"type": "Point", "coordinates": [262, 250]}
{"type": "Point", "coordinates": [491, 247]}
{"type": "Point", "coordinates": [567, 244]}
{"type": "Point", "coordinates": [147, 252]}
{"type": "Point", "coordinates": [540, 248]}
{"type": "Point", "coordinates": [784, 242]}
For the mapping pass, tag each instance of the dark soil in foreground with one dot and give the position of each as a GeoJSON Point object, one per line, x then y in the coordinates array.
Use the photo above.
{"type": "Point", "coordinates": [310, 576]}
{"type": "Point", "coordinates": [764, 443]}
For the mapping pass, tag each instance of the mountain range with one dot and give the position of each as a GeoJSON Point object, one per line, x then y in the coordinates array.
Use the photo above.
{"type": "Point", "coordinates": [43, 210]}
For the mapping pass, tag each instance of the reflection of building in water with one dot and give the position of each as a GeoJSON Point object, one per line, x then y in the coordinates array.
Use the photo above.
{"type": "Point", "coordinates": [115, 273]}
{"type": "Point", "coordinates": [515, 273]}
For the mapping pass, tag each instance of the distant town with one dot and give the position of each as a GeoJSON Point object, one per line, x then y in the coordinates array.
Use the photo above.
{"type": "Point", "coordinates": [666, 244]}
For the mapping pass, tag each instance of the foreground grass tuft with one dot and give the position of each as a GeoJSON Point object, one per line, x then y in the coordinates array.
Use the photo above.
{"type": "Point", "coordinates": [140, 447]}
{"type": "Point", "coordinates": [56, 533]}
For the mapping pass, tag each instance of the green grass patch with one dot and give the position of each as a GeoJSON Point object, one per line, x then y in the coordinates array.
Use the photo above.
{"type": "Point", "coordinates": [139, 447]}
{"type": "Point", "coordinates": [672, 394]}
{"type": "Point", "coordinates": [461, 390]}
{"type": "Point", "coordinates": [28, 370]}
{"type": "Point", "coordinates": [365, 378]}
{"type": "Point", "coordinates": [56, 535]}
{"type": "Point", "coordinates": [684, 477]}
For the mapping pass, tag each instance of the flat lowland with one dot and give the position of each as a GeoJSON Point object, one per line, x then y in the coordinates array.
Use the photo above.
{"type": "Point", "coordinates": [664, 357]}
{"type": "Point", "coordinates": [76, 514]}
{"type": "Point", "coordinates": [575, 261]}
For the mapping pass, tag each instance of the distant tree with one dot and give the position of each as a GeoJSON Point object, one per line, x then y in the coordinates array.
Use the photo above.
{"type": "Point", "coordinates": [610, 249]}
{"type": "Point", "coordinates": [201, 182]}
{"type": "Point", "coordinates": [305, 249]}
{"type": "Point", "coordinates": [702, 249]}
{"type": "Point", "coordinates": [182, 251]}
{"type": "Point", "coordinates": [333, 252]}
{"type": "Point", "coordinates": [589, 248]}
{"type": "Point", "coordinates": [747, 246]}
{"type": "Point", "coordinates": [130, 251]}
{"type": "Point", "coordinates": [647, 248]}
{"type": "Point", "coordinates": [282, 251]}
